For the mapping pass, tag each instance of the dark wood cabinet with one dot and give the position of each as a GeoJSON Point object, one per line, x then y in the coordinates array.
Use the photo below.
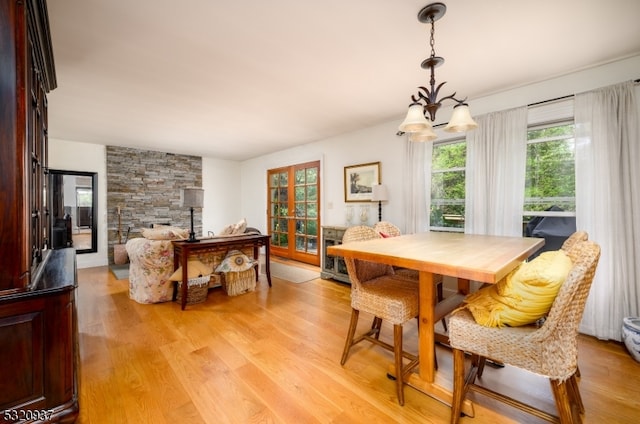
{"type": "Point", "coordinates": [38, 324]}
{"type": "Point", "coordinates": [27, 75]}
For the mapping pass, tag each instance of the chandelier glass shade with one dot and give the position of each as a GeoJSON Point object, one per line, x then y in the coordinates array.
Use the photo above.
{"type": "Point", "coordinates": [425, 103]}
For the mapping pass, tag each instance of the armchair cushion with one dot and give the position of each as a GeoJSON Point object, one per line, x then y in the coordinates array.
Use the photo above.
{"type": "Point", "coordinates": [234, 229]}
{"type": "Point", "coordinates": [161, 232]}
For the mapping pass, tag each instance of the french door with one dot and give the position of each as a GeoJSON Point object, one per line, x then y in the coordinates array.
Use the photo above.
{"type": "Point", "coordinates": [294, 211]}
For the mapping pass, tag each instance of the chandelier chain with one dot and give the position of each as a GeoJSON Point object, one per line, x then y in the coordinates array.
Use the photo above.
{"type": "Point", "coordinates": [432, 41]}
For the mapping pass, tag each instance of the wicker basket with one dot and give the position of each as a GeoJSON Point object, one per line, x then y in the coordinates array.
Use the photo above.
{"type": "Point", "coordinates": [235, 283]}
{"type": "Point", "coordinates": [198, 288]}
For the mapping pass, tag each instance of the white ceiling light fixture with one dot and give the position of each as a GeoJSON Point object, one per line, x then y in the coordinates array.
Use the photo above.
{"type": "Point", "coordinates": [425, 103]}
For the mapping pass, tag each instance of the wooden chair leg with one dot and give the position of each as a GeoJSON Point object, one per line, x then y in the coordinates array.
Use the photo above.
{"type": "Point", "coordinates": [458, 385]}
{"type": "Point", "coordinates": [574, 393]}
{"type": "Point", "coordinates": [350, 334]}
{"type": "Point", "coordinates": [561, 395]}
{"type": "Point", "coordinates": [479, 361]}
{"type": "Point", "coordinates": [397, 353]}
{"type": "Point", "coordinates": [376, 325]}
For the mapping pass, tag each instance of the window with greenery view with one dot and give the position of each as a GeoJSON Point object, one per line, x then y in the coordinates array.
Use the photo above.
{"type": "Point", "coordinates": [550, 176]}
{"type": "Point", "coordinates": [448, 185]}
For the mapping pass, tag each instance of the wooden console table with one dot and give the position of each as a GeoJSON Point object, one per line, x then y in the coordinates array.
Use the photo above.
{"type": "Point", "coordinates": [183, 249]}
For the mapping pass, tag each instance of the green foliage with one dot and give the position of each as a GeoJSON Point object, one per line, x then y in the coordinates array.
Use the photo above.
{"type": "Point", "coordinates": [550, 175]}
{"type": "Point", "coordinates": [448, 184]}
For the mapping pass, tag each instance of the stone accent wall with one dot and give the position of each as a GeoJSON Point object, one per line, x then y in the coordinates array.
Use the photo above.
{"type": "Point", "coordinates": [145, 186]}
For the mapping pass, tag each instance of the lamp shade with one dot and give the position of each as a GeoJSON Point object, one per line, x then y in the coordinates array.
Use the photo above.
{"type": "Point", "coordinates": [379, 193]}
{"type": "Point", "coordinates": [192, 197]}
{"type": "Point", "coordinates": [424, 135]}
{"type": "Point", "coordinates": [415, 119]}
{"type": "Point", "coordinates": [461, 119]}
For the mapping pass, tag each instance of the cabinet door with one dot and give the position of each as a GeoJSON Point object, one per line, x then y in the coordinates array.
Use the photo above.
{"type": "Point", "coordinates": [22, 354]}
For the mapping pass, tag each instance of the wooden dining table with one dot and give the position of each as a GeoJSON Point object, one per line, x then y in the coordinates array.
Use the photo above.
{"type": "Point", "coordinates": [467, 257]}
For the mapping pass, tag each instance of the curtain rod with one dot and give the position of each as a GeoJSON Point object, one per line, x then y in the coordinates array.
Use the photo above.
{"type": "Point", "coordinates": [635, 81]}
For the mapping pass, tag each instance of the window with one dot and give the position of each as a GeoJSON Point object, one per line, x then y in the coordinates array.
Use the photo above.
{"type": "Point", "coordinates": [549, 180]}
{"type": "Point", "coordinates": [550, 176]}
{"type": "Point", "coordinates": [448, 185]}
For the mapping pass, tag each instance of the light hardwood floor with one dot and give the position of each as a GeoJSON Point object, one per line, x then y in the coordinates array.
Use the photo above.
{"type": "Point", "coordinates": [273, 356]}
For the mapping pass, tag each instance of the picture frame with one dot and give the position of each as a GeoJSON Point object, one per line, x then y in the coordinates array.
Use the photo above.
{"type": "Point", "coordinates": [359, 181]}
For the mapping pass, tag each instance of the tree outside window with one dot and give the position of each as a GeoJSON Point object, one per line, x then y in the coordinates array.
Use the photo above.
{"type": "Point", "coordinates": [549, 181]}
{"type": "Point", "coordinates": [448, 185]}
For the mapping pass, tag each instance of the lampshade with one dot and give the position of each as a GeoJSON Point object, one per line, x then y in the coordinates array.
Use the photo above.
{"type": "Point", "coordinates": [379, 193]}
{"type": "Point", "coordinates": [424, 135]}
{"type": "Point", "coordinates": [192, 197]}
{"type": "Point", "coordinates": [415, 119]}
{"type": "Point", "coordinates": [461, 119]}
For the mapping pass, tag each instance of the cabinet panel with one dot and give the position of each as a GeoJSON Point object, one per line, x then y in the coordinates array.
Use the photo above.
{"type": "Point", "coordinates": [21, 357]}
{"type": "Point", "coordinates": [333, 266]}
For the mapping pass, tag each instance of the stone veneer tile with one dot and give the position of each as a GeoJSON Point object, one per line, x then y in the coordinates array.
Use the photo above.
{"type": "Point", "coordinates": [146, 186]}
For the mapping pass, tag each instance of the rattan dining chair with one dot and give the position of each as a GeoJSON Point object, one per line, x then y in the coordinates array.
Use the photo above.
{"type": "Point", "coordinates": [571, 241]}
{"type": "Point", "coordinates": [375, 289]}
{"type": "Point", "coordinates": [388, 229]}
{"type": "Point", "coordinates": [550, 350]}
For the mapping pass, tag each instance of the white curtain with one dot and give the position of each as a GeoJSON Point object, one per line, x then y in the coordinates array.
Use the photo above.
{"type": "Point", "coordinates": [608, 202]}
{"type": "Point", "coordinates": [495, 173]}
{"type": "Point", "coordinates": [417, 186]}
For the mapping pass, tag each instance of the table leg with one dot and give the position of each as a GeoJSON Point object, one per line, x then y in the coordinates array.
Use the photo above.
{"type": "Point", "coordinates": [185, 282]}
{"type": "Point", "coordinates": [256, 257]}
{"type": "Point", "coordinates": [426, 338]}
{"type": "Point", "coordinates": [268, 261]}
{"type": "Point", "coordinates": [464, 286]}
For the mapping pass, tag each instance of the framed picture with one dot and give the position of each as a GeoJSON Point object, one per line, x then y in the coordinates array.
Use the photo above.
{"type": "Point", "coordinates": [359, 180]}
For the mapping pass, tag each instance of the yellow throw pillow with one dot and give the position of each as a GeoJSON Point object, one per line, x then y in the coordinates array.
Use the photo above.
{"type": "Point", "coordinates": [194, 269]}
{"type": "Point", "coordinates": [524, 296]}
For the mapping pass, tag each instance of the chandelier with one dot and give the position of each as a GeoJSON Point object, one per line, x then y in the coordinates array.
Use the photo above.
{"type": "Point", "coordinates": [425, 102]}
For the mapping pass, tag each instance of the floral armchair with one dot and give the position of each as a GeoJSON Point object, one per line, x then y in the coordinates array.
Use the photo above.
{"type": "Point", "coordinates": [151, 264]}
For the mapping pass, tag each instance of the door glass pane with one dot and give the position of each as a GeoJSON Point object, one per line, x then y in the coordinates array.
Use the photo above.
{"type": "Point", "coordinates": [312, 210]}
{"type": "Point", "coordinates": [312, 227]}
{"type": "Point", "coordinates": [300, 244]}
{"type": "Point", "coordinates": [312, 193]}
{"type": "Point", "coordinates": [312, 175]}
{"type": "Point", "coordinates": [300, 226]}
{"type": "Point", "coordinates": [284, 178]}
{"type": "Point", "coordinates": [299, 193]}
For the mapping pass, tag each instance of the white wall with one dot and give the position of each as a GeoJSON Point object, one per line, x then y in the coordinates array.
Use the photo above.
{"type": "Point", "coordinates": [222, 200]}
{"type": "Point", "coordinates": [379, 143]}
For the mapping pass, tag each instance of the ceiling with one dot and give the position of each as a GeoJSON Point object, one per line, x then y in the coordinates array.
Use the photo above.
{"type": "Point", "coordinates": [234, 79]}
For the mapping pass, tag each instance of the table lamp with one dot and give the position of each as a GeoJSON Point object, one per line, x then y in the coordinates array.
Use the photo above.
{"type": "Point", "coordinates": [192, 198]}
{"type": "Point", "coordinates": [379, 194]}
